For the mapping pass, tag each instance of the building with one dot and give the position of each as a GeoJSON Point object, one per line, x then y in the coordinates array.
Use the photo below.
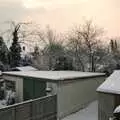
{"type": "Point", "coordinates": [109, 96]}
{"type": "Point", "coordinates": [74, 89]}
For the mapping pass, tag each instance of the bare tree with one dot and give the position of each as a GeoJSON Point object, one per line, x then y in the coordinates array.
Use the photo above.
{"type": "Point", "coordinates": [85, 40]}
{"type": "Point", "coordinates": [50, 45]}
{"type": "Point", "coordinates": [75, 49]}
{"type": "Point", "coordinates": [91, 38]}
{"type": "Point", "coordinates": [17, 28]}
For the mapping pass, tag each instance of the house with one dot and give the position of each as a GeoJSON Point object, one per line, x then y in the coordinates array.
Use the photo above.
{"type": "Point", "coordinates": [109, 96]}
{"type": "Point", "coordinates": [74, 89]}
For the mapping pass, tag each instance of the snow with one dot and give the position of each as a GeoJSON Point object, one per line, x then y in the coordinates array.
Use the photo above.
{"type": "Point", "coordinates": [55, 75]}
{"type": "Point", "coordinates": [89, 113]}
{"type": "Point", "coordinates": [1, 80]}
{"type": "Point", "coordinates": [10, 94]}
{"type": "Point", "coordinates": [2, 103]}
{"type": "Point", "coordinates": [112, 84]}
{"type": "Point", "coordinates": [0, 73]}
{"type": "Point", "coordinates": [26, 68]}
{"type": "Point", "coordinates": [117, 110]}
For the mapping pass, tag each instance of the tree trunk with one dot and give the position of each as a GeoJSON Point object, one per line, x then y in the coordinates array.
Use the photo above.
{"type": "Point", "coordinates": [92, 63]}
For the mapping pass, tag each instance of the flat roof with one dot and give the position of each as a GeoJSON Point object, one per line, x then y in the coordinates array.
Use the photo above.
{"type": "Point", "coordinates": [55, 75]}
{"type": "Point", "coordinates": [111, 84]}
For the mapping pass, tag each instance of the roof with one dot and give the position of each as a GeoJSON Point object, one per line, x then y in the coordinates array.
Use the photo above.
{"type": "Point", "coordinates": [26, 68]}
{"type": "Point", "coordinates": [55, 75]}
{"type": "Point", "coordinates": [111, 84]}
{"type": "Point", "coordinates": [117, 110]}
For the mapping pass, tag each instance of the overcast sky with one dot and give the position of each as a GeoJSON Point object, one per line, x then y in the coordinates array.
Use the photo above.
{"type": "Point", "coordinates": [63, 14]}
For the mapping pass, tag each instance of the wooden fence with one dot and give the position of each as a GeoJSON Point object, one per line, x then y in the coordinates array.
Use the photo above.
{"type": "Point", "coordinates": [39, 109]}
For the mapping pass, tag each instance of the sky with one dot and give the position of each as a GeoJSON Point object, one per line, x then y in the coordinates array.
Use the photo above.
{"type": "Point", "coordinates": [62, 15]}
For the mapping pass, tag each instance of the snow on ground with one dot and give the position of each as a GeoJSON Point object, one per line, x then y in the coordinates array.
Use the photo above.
{"type": "Point", "coordinates": [2, 103]}
{"type": "Point", "coordinates": [89, 113]}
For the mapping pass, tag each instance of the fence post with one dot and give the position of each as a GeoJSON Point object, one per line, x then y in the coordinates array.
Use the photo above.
{"type": "Point", "coordinates": [32, 117]}
{"type": "Point", "coordinates": [15, 113]}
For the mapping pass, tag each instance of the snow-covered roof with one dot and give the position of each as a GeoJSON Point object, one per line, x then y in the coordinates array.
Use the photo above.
{"type": "Point", "coordinates": [55, 75]}
{"type": "Point", "coordinates": [111, 84]}
{"type": "Point", "coordinates": [117, 109]}
{"type": "Point", "coordinates": [26, 68]}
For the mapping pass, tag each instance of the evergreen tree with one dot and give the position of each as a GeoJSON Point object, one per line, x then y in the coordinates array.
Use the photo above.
{"type": "Point", "coordinates": [36, 51]}
{"type": "Point", "coordinates": [15, 49]}
{"type": "Point", "coordinates": [3, 52]}
{"type": "Point", "coordinates": [113, 45]}
{"type": "Point", "coordinates": [116, 46]}
{"type": "Point", "coordinates": [63, 64]}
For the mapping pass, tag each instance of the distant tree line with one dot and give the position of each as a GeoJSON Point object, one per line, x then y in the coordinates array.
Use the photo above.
{"type": "Point", "coordinates": [82, 49]}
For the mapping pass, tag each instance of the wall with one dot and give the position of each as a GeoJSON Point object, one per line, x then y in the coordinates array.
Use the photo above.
{"type": "Point", "coordinates": [37, 109]}
{"type": "Point", "coordinates": [106, 106]}
{"type": "Point", "coordinates": [75, 95]}
{"type": "Point", "coordinates": [27, 88]}
{"type": "Point", "coordinates": [53, 87]}
{"type": "Point", "coordinates": [33, 88]}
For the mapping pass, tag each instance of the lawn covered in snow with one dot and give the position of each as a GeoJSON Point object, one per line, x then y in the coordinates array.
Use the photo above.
{"type": "Point", "coordinates": [89, 113]}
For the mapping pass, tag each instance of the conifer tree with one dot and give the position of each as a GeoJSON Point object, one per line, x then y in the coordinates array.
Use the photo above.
{"type": "Point", "coordinates": [15, 49]}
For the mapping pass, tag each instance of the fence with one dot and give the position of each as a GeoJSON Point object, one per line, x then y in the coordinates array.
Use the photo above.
{"type": "Point", "coordinates": [39, 109]}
